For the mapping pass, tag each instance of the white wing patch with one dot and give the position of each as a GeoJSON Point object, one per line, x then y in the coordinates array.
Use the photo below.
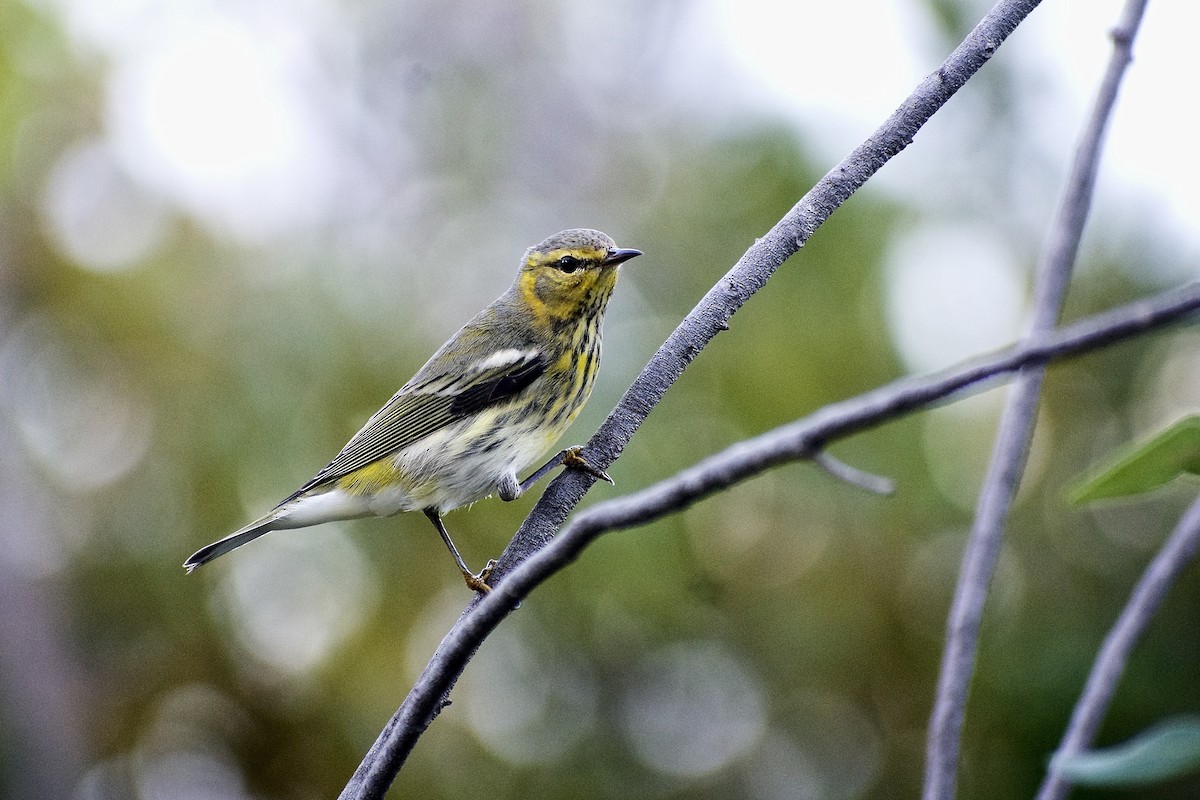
{"type": "Point", "coordinates": [506, 357]}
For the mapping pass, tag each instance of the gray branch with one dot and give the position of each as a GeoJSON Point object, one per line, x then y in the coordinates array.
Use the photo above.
{"type": "Point", "coordinates": [795, 441]}
{"type": "Point", "coordinates": [381, 764]}
{"type": "Point", "coordinates": [714, 311]}
{"type": "Point", "coordinates": [1179, 551]}
{"type": "Point", "coordinates": [1011, 450]}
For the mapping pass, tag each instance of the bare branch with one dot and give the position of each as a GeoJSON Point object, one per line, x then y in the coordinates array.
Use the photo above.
{"type": "Point", "coordinates": [1013, 439]}
{"type": "Point", "coordinates": [1179, 551]}
{"type": "Point", "coordinates": [796, 441]}
{"type": "Point", "coordinates": [704, 322]}
{"type": "Point", "coordinates": [712, 314]}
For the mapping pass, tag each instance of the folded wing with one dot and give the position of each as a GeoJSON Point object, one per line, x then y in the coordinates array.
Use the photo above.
{"type": "Point", "coordinates": [429, 403]}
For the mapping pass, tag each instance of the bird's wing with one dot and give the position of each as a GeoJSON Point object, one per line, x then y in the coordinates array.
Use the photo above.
{"type": "Point", "coordinates": [432, 401]}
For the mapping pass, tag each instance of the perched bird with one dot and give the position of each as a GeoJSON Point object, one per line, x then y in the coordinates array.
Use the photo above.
{"type": "Point", "coordinates": [489, 402]}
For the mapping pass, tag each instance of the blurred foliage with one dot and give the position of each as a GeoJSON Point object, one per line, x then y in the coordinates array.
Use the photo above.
{"type": "Point", "coordinates": [1169, 749]}
{"type": "Point", "coordinates": [1148, 465]}
{"type": "Point", "coordinates": [170, 367]}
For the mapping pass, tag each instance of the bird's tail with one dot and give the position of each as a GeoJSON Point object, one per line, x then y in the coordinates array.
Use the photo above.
{"type": "Point", "coordinates": [236, 539]}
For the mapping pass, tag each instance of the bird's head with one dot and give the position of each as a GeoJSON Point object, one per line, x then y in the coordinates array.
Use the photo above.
{"type": "Point", "coordinates": [571, 274]}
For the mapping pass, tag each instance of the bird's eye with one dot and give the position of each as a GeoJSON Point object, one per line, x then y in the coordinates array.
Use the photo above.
{"type": "Point", "coordinates": [569, 264]}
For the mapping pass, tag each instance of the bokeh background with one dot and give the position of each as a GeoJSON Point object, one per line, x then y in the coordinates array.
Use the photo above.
{"type": "Point", "coordinates": [229, 231]}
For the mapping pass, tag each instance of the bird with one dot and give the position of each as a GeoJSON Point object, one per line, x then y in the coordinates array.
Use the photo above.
{"type": "Point", "coordinates": [491, 401]}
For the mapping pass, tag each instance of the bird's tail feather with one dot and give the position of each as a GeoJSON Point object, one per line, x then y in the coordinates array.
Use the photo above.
{"type": "Point", "coordinates": [236, 539]}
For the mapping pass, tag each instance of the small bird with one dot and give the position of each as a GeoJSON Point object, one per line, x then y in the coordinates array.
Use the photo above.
{"type": "Point", "coordinates": [489, 402]}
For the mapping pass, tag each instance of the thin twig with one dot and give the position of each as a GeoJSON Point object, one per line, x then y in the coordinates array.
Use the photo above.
{"type": "Point", "coordinates": [1015, 434]}
{"type": "Point", "coordinates": [852, 475]}
{"type": "Point", "coordinates": [1179, 551]}
{"type": "Point", "coordinates": [791, 442]}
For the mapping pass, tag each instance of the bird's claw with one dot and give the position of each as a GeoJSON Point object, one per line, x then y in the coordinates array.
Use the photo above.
{"type": "Point", "coordinates": [478, 583]}
{"type": "Point", "coordinates": [572, 459]}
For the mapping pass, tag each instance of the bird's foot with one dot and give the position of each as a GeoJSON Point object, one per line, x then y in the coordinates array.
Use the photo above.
{"type": "Point", "coordinates": [478, 582]}
{"type": "Point", "coordinates": [572, 459]}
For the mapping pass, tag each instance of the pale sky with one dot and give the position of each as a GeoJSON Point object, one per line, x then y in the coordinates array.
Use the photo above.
{"type": "Point", "coordinates": [1067, 41]}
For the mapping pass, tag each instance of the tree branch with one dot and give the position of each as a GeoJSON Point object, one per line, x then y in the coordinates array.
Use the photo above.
{"type": "Point", "coordinates": [712, 314]}
{"type": "Point", "coordinates": [1015, 434]}
{"type": "Point", "coordinates": [702, 324]}
{"type": "Point", "coordinates": [1179, 551]}
{"type": "Point", "coordinates": [795, 441]}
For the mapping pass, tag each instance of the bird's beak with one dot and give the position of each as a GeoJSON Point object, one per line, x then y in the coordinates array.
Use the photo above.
{"type": "Point", "coordinates": [619, 256]}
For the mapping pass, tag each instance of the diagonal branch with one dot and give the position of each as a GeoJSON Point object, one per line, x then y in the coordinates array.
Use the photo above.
{"type": "Point", "coordinates": [1015, 434]}
{"type": "Point", "coordinates": [795, 441]}
{"type": "Point", "coordinates": [1179, 551]}
{"type": "Point", "coordinates": [712, 314]}
{"type": "Point", "coordinates": [702, 324]}
{"type": "Point", "coordinates": [792, 442]}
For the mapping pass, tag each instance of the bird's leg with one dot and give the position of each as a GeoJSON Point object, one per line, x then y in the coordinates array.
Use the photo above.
{"type": "Point", "coordinates": [569, 458]}
{"type": "Point", "coordinates": [475, 582]}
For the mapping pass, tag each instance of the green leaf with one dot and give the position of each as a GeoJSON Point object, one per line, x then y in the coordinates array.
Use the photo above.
{"type": "Point", "coordinates": [1167, 750]}
{"type": "Point", "coordinates": [1172, 452]}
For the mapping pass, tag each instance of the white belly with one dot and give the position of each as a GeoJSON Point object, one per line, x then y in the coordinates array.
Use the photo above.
{"type": "Point", "coordinates": [463, 463]}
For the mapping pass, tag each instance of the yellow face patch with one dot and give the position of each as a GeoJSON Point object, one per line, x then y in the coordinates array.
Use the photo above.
{"type": "Point", "coordinates": [566, 283]}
